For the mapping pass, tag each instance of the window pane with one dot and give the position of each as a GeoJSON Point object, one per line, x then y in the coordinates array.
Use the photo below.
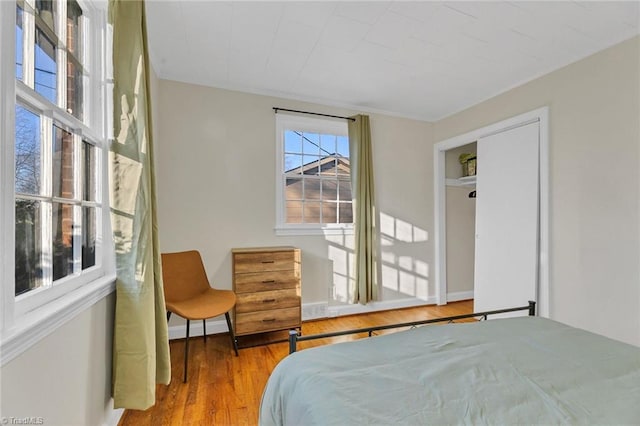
{"type": "Point", "coordinates": [312, 189]}
{"type": "Point", "coordinates": [47, 11]}
{"type": "Point", "coordinates": [89, 153]}
{"type": "Point", "coordinates": [45, 71]}
{"type": "Point", "coordinates": [293, 189]}
{"type": "Point", "coordinates": [343, 167]}
{"type": "Point", "coordinates": [311, 212]}
{"type": "Point", "coordinates": [329, 190]}
{"type": "Point", "coordinates": [74, 89]}
{"type": "Point", "coordinates": [343, 146]}
{"type": "Point", "coordinates": [311, 143]}
{"type": "Point", "coordinates": [62, 163]}
{"type": "Point", "coordinates": [329, 214]}
{"type": "Point", "coordinates": [328, 166]}
{"type": "Point", "coordinates": [19, 52]}
{"type": "Point", "coordinates": [346, 212]}
{"type": "Point", "coordinates": [317, 178]}
{"type": "Point", "coordinates": [344, 190]}
{"type": "Point", "coordinates": [328, 144]}
{"type": "Point", "coordinates": [293, 163]}
{"type": "Point", "coordinates": [74, 29]}
{"type": "Point", "coordinates": [310, 165]}
{"type": "Point", "coordinates": [292, 142]}
{"type": "Point", "coordinates": [294, 212]}
{"type": "Point", "coordinates": [62, 240]}
{"type": "Point", "coordinates": [27, 153]}
{"type": "Point", "coordinates": [28, 272]}
{"type": "Point", "coordinates": [88, 237]}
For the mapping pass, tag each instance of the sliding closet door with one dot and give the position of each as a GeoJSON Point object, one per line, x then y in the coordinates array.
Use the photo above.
{"type": "Point", "coordinates": [507, 216]}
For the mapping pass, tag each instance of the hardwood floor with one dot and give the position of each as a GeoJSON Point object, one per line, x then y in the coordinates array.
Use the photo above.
{"type": "Point", "coordinates": [223, 389]}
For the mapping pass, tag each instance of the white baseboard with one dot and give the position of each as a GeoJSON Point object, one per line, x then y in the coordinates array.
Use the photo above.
{"type": "Point", "coordinates": [318, 310]}
{"type": "Point", "coordinates": [336, 311]}
{"type": "Point", "coordinates": [311, 311]}
{"type": "Point", "coordinates": [460, 295]}
{"type": "Point", "coordinates": [113, 415]}
{"type": "Point", "coordinates": [214, 326]}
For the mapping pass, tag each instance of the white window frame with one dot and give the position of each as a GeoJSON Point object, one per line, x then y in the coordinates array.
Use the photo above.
{"type": "Point", "coordinates": [27, 318]}
{"type": "Point", "coordinates": [304, 123]}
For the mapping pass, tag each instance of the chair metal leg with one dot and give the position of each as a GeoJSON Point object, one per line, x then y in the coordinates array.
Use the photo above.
{"type": "Point", "coordinates": [234, 341]}
{"type": "Point", "coordinates": [204, 330]}
{"type": "Point", "coordinates": [186, 353]}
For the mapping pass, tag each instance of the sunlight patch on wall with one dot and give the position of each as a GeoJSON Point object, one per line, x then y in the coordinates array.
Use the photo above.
{"type": "Point", "coordinates": [400, 230]}
{"type": "Point", "coordinates": [401, 271]}
{"type": "Point", "coordinates": [340, 253]}
{"type": "Point", "coordinates": [402, 275]}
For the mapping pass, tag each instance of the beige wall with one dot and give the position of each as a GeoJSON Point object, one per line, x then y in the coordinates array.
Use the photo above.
{"type": "Point", "coordinates": [66, 377]}
{"type": "Point", "coordinates": [594, 107]}
{"type": "Point", "coordinates": [216, 190]}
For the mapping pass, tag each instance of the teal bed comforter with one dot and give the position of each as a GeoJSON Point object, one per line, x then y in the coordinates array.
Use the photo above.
{"type": "Point", "coordinates": [525, 370]}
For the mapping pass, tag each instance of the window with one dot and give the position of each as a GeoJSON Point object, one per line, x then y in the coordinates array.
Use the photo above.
{"type": "Point", "coordinates": [314, 175]}
{"type": "Point", "coordinates": [59, 142]}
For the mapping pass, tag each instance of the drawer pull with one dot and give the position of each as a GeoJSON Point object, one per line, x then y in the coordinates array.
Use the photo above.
{"type": "Point", "coordinates": [268, 281]}
{"type": "Point", "coordinates": [268, 300]}
{"type": "Point", "coordinates": [269, 320]}
{"type": "Point", "coordinates": [268, 261]}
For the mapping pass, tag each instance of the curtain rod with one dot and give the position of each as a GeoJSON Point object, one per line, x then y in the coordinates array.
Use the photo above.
{"type": "Point", "coordinates": [276, 109]}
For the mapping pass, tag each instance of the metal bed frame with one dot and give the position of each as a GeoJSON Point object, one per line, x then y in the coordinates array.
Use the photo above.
{"type": "Point", "coordinates": [295, 337]}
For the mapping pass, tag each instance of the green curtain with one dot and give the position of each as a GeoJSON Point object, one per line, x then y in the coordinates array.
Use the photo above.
{"type": "Point", "coordinates": [141, 340]}
{"type": "Point", "coordinates": [364, 210]}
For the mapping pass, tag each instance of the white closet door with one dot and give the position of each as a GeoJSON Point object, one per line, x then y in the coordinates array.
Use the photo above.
{"type": "Point", "coordinates": [507, 211]}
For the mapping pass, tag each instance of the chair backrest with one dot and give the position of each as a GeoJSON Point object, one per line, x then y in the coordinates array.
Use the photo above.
{"type": "Point", "coordinates": [183, 275]}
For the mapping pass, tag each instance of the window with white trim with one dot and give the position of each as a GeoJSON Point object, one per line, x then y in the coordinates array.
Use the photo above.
{"type": "Point", "coordinates": [59, 144]}
{"type": "Point", "coordinates": [314, 175]}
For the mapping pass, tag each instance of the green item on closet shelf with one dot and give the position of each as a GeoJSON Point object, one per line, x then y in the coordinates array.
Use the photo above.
{"type": "Point", "coordinates": [463, 158]}
{"type": "Point", "coordinates": [468, 162]}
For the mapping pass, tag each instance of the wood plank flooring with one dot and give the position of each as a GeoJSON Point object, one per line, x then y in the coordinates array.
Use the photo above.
{"type": "Point", "coordinates": [223, 389]}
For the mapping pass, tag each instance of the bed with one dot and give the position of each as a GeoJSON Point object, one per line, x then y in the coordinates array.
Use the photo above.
{"type": "Point", "coordinates": [524, 370]}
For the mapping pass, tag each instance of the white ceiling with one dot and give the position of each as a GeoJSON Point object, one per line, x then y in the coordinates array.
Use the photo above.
{"type": "Point", "coordinates": [417, 59]}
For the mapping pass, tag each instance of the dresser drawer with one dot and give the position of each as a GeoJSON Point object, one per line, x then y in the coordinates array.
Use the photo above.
{"type": "Point", "coordinates": [265, 261]}
{"type": "Point", "coordinates": [266, 300]}
{"type": "Point", "coordinates": [262, 321]}
{"type": "Point", "coordinates": [261, 281]}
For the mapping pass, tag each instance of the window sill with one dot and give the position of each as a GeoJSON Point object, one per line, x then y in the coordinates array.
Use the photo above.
{"type": "Point", "coordinates": [283, 231]}
{"type": "Point", "coordinates": [32, 327]}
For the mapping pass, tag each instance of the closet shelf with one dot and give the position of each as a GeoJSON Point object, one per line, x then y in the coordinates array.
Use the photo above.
{"type": "Point", "coordinates": [469, 181]}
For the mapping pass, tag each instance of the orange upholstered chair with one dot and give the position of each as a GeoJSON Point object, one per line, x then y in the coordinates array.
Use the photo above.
{"type": "Point", "coordinates": [188, 294]}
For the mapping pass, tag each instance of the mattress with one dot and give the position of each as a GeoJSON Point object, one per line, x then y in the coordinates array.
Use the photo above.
{"type": "Point", "coordinates": [525, 370]}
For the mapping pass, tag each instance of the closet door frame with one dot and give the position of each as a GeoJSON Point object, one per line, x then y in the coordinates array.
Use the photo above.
{"type": "Point", "coordinates": [540, 115]}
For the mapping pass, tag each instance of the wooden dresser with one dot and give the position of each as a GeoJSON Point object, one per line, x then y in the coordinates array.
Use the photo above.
{"type": "Point", "coordinates": [266, 281]}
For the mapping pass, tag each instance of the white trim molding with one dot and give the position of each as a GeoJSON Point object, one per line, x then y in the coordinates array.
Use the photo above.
{"type": "Point", "coordinates": [7, 166]}
{"type": "Point", "coordinates": [310, 311]}
{"type": "Point", "coordinates": [214, 326]}
{"type": "Point", "coordinates": [459, 295]}
{"type": "Point", "coordinates": [385, 305]}
{"type": "Point", "coordinates": [317, 310]}
{"type": "Point", "coordinates": [27, 318]}
{"type": "Point", "coordinates": [113, 415]}
{"type": "Point", "coordinates": [39, 323]}
{"type": "Point", "coordinates": [540, 115]}
{"type": "Point", "coordinates": [346, 229]}
{"type": "Point", "coordinates": [320, 310]}
{"type": "Point", "coordinates": [283, 122]}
